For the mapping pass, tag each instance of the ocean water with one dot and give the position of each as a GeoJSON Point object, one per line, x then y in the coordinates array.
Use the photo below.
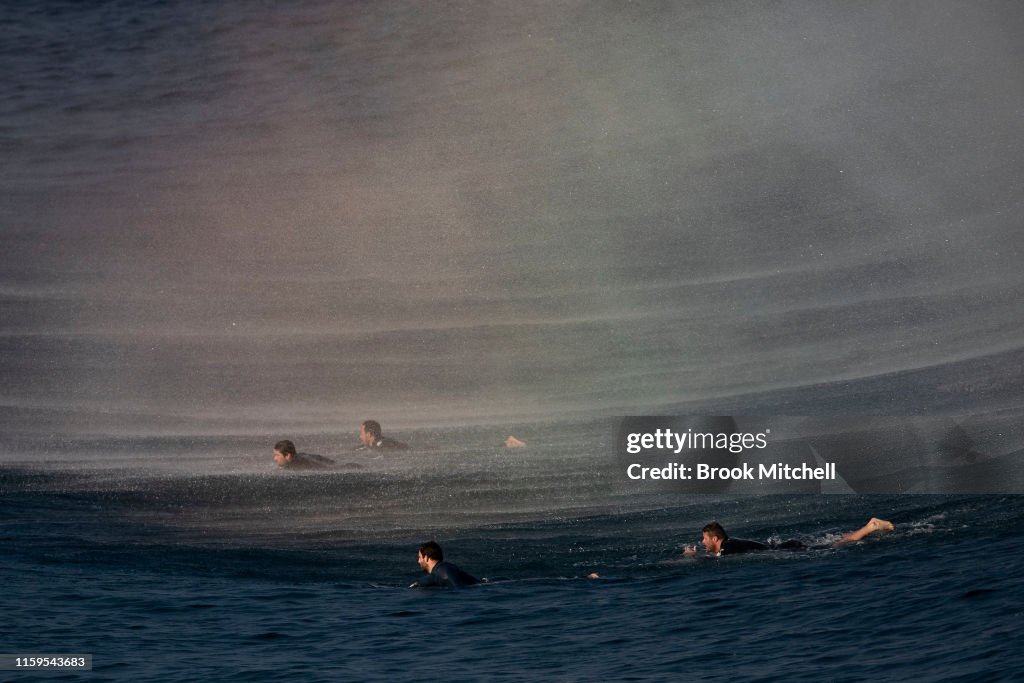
{"type": "Point", "coordinates": [251, 573]}
{"type": "Point", "coordinates": [223, 224]}
{"type": "Point", "coordinates": [249, 218]}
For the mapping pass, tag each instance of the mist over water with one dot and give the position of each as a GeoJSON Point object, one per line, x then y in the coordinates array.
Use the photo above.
{"type": "Point", "coordinates": [224, 224]}
{"type": "Point", "coordinates": [220, 219]}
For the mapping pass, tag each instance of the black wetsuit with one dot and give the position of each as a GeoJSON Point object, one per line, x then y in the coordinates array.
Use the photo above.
{"type": "Point", "coordinates": [308, 461]}
{"type": "Point", "coordinates": [735, 546]}
{"type": "Point", "coordinates": [384, 444]}
{"type": "Point", "coordinates": [445, 575]}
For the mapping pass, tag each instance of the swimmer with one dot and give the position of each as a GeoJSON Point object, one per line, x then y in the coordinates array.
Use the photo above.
{"type": "Point", "coordinates": [374, 440]}
{"type": "Point", "coordinates": [439, 573]}
{"type": "Point", "coordinates": [716, 542]}
{"type": "Point", "coordinates": [285, 456]}
{"type": "Point", "coordinates": [513, 442]}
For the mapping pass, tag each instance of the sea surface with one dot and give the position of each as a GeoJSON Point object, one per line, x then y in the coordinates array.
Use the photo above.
{"type": "Point", "coordinates": [246, 572]}
{"type": "Point", "coordinates": [224, 224]}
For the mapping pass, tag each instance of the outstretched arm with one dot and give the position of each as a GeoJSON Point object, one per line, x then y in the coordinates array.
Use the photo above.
{"type": "Point", "coordinates": [873, 525]}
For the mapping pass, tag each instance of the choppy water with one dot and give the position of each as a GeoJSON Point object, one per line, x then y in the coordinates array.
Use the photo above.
{"type": "Point", "coordinates": [265, 575]}
{"type": "Point", "coordinates": [224, 224]}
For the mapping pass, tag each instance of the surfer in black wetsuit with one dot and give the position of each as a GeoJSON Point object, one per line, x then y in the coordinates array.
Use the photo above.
{"type": "Point", "coordinates": [439, 573]}
{"type": "Point", "coordinates": [374, 440]}
{"type": "Point", "coordinates": [716, 542]}
{"type": "Point", "coordinates": [285, 456]}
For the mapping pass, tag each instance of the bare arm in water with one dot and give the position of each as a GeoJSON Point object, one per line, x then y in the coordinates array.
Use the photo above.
{"type": "Point", "coordinates": [873, 525]}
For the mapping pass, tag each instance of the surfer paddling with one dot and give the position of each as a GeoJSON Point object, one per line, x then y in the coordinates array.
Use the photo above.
{"type": "Point", "coordinates": [717, 542]}
{"type": "Point", "coordinates": [372, 438]}
{"type": "Point", "coordinates": [285, 456]}
{"type": "Point", "coordinates": [438, 572]}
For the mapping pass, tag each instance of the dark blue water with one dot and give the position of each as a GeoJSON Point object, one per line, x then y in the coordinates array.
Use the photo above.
{"type": "Point", "coordinates": [260, 574]}
{"type": "Point", "coordinates": [228, 223]}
